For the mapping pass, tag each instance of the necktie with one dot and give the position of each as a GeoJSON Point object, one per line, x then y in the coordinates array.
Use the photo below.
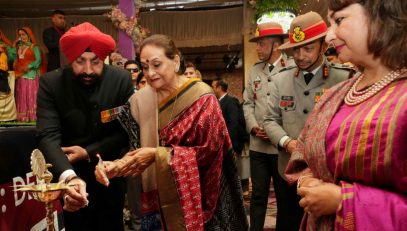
{"type": "Point", "coordinates": [308, 77]}
{"type": "Point", "coordinates": [271, 67]}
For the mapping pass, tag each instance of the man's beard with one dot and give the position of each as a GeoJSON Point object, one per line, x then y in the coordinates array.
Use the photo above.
{"type": "Point", "coordinates": [88, 80]}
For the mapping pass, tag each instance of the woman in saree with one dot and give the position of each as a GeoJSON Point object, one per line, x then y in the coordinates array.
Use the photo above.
{"type": "Point", "coordinates": [188, 172]}
{"type": "Point", "coordinates": [27, 62]}
{"type": "Point", "coordinates": [351, 169]}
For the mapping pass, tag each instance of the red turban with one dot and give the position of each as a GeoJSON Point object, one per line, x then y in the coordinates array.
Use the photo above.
{"type": "Point", "coordinates": [79, 38]}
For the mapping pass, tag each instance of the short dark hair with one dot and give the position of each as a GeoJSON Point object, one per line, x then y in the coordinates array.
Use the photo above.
{"type": "Point", "coordinates": [128, 62]}
{"type": "Point", "coordinates": [169, 47]}
{"type": "Point", "coordinates": [222, 84]}
{"type": "Point", "coordinates": [57, 12]}
{"type": "Point", "coordinates": [387, 29]}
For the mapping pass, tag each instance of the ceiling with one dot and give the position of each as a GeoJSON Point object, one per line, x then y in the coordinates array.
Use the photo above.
{"type": "Point", "coordinates": [44, 8]}
{"type": "Point", "coordinates": [213, 57]}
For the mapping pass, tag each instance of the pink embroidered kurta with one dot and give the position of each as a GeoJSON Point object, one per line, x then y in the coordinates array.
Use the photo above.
{"type": "Point", "coordinates": [363, 149]}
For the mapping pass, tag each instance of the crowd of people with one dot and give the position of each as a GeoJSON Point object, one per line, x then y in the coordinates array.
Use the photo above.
{"type": "Point", "coordinates": [328, 135]}
{"type": "Point", "coordinates": [25, 57]}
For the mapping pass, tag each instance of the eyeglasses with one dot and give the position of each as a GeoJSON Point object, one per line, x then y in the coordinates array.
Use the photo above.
{"type": "Point", "coordinates": [133, 70]}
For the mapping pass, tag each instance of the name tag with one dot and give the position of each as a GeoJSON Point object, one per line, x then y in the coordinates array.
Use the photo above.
{"type": "Point", "coordinates": [287, 102]}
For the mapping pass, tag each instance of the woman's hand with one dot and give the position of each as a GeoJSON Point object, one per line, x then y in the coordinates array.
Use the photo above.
{"type": "Point", "coordinates": [107, 169]}
{"type": "Point", "coordinates": [310, 182]}
{"type": "Point", "coordinates": [320, 199]}
{"type": "Point", "coordinates": [135, 162]}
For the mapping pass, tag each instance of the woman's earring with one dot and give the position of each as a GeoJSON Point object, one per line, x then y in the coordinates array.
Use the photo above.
{"type": "Point", "coordinates": [176, 69]}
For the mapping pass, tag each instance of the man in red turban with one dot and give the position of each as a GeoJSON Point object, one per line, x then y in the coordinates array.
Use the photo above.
{"type": "Point", "coordinates": [70, 131]}
{"type": "Point", "coordinates": [86, 36]}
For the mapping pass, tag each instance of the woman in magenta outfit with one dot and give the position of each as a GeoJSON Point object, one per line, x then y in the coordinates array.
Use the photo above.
{"type": "Point", "coordinates": [351, 169]}
{"type": "Point", "coordinates": [27, 63]}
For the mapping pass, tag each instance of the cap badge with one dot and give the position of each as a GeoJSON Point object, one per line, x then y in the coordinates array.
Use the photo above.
{"type": "Point", "coordinates": [257, 33]}
{"type": "Point", "coordinates": [298, 35]}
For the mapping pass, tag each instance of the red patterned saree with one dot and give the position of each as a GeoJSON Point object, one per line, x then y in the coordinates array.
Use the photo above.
{"type": "Point", "coordinates": [193, 184]}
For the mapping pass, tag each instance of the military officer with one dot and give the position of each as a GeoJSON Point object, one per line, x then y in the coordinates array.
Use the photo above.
{"type": "Point", "coordinates": [294, 92]}
{"type": "Point", "coordinates": [263, 155]}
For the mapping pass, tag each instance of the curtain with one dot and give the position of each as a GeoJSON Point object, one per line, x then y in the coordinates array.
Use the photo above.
{"type": "Point", "coordinates": [197, 28]}
{"type": "Point", "coordinates": [186, 28]}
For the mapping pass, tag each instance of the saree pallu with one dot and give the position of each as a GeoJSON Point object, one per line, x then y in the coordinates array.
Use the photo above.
{"type": "Point", "coordinates": [196, 184]}
{"type": "Point", "coordinates": [362, 149]}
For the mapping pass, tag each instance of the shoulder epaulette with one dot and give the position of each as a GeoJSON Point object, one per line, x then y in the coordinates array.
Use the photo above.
{"type": "Point", "coordinates": [344, 67]}
{"type": "Point", "coordinates": [286, 68]}
{"type": "Point", "coordinates": [259, 62]}
{"type": "Point", "coordinates": [340, 66]}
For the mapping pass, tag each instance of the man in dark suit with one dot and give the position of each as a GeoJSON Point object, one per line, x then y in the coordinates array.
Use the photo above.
{"type": "Point", "coordinates": [70, 131]}
{"type": "Point", "coordinates": [231, 112]}
{"type": "Point", "coordinates": [51, 36]}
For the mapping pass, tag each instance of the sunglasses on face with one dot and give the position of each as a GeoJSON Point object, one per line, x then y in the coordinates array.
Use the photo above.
{"type": "Point", "coordinates": [133, 70]}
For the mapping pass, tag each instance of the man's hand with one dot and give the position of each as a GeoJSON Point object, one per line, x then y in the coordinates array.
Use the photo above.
{"type": "Point", "coordinates": [322, 199]}
{"type": "Point", "coordinates": [259, 132]}
{"type": "Point", "coordinates": [290, 146]}
{"type": "Point", "coordinates": [75, 196]}
{"type": "Point", "coordinates": [75, 153]}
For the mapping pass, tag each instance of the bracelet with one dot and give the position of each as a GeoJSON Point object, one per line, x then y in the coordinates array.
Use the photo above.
{"type": "Point", "coordinates": [287, 142]}
{"type": "Point", "coordinates": [301, 179]}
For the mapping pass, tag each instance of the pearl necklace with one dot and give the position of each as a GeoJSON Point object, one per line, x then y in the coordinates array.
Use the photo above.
{"type": "Point", "coordinates": [354, 97]}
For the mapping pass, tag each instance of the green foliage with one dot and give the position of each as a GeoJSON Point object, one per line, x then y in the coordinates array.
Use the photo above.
{"type": "Point", "coordinates": [264, 6]}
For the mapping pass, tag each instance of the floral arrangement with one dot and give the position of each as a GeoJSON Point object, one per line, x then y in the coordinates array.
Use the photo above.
{"type": "Point", "coordinates": [264, 6]}
{"type": "Point", "coordinates": [129, 25]}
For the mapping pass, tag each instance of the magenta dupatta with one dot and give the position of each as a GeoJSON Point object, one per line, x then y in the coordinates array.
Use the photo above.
{"type": "Point", "coordinates": [362, 149]}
